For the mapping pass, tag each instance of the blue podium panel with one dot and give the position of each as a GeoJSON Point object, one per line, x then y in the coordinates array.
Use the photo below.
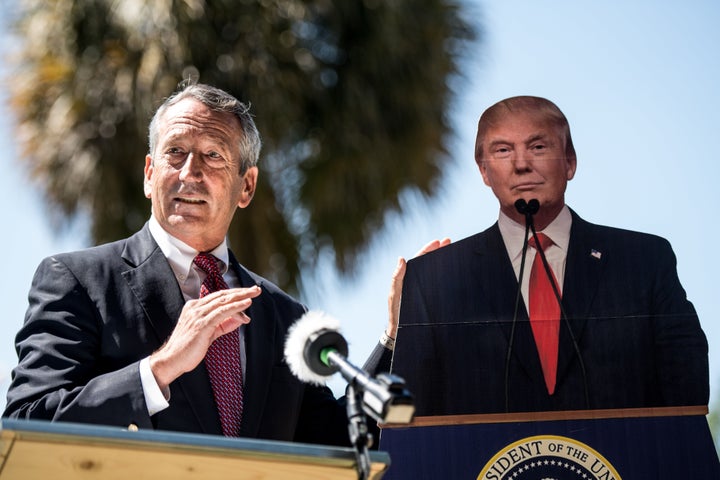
{"type": "Point", "coordinates": [629, 448]}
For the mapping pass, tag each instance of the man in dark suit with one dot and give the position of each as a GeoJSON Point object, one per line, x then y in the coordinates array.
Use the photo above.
{"type": "Point", "coordinates": [623, 334]}
{"type": "Point", "coordinates": [121, 334]}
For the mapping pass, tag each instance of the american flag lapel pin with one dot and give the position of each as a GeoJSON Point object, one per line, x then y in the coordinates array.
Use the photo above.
{"type": "Point", "coordinates": [595, 254]}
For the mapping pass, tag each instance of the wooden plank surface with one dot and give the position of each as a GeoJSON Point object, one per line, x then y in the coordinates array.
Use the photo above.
{"type": "Point", "coordinates": [59, 455]}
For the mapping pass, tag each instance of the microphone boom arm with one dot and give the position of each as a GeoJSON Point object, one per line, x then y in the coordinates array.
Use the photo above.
{"type": "Point", "coordinates": [384, 397]}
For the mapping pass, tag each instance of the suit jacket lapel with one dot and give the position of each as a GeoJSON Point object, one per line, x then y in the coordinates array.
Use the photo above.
{"type": "Point", "coordinates": [498, 276]}
{"type": "Point", "coordinates": [584, 267]}
{"type": "Point", "coordinates": [154, 285]}
{"type": "Point", "coordinates": [259, 338]}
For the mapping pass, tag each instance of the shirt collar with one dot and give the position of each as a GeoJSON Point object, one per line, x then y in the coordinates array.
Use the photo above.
{"type": "Point", "coordinates": [513, 232]}
{"type": "Point", "coordinates": [180, 255]}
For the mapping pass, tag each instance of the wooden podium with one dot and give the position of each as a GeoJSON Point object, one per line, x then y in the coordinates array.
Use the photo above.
{"type": "Point", "coordinates": [658, 444]}
{"type": "Point", "coordinates": [66, 451]}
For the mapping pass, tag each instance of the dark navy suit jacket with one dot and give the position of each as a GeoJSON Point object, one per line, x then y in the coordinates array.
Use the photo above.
{"type": "Point", "coordinates": [637, 339]}
{"type": "Point", "coordinates": [93, 315]}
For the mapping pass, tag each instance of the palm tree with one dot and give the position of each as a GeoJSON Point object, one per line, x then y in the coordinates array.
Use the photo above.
{"type": "Point", "coordinates": [350, 97]}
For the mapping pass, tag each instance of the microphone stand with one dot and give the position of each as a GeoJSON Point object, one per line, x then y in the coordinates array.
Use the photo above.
{"type": "Point", "coordinates": [360, 438]}
{"type": "Point", "coordinates": [384, 397]}
{"type": "Point", "coordinates": [528, 210]}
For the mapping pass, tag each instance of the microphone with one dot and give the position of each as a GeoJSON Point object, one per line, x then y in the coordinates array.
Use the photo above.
{"type": "Point", "coordinates": [530, 208]}
{"type": "Point", "coordinates": [527, 208]}
{"type": "Point", "coordinates": [315, 350]}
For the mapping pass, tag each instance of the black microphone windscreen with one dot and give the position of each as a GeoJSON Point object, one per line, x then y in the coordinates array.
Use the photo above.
{"type": "Point", "coordinates": [533, 206]}
{"type": "Point", "coordinates": [317, 343]}
{"type": "Point", "coordinates": [521, 206]}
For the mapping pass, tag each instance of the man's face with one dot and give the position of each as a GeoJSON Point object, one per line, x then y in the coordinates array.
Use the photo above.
{"type": "Point", "coordinates": [193, 177]}
{"type": "Point", "coordinates": [524, 157]}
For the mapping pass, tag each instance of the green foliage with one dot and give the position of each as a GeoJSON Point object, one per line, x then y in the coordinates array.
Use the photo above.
{"type": "Point", "coordinates": [349, 96]}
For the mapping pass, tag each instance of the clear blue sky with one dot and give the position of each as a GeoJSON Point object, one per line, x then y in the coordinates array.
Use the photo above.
{"type": "Point", "coordinates": [638, 82]}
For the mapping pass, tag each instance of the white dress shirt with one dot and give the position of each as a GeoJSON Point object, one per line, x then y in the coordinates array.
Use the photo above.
{"type": "Point", "coordinates": [558, 231]}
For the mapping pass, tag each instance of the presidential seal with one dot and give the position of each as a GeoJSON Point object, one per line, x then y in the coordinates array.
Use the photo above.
{"type": "Point", "coordinates": [548, 457]}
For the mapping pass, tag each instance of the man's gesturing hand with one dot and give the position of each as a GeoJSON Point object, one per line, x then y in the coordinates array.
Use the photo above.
{"type": "Point", "coordinates": [200, 323]}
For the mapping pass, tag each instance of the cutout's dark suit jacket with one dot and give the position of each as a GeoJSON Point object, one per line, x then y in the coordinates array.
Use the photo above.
{"type": "Point", "coordinates": [638, 336]}
{"type": "Point", "coordinates": [93, 315]}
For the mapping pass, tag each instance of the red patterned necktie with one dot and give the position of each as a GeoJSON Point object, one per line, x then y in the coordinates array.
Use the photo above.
{"type": "Point", "coordinates": [544, 314]}
{"type": "Point", "coordinates": [223, 357]}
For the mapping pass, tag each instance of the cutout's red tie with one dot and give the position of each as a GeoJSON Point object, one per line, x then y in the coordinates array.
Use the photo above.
{"type": "Point", "coordinates": [223, 357]}
{"type": "Point", "coordinates": [544, 313]}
